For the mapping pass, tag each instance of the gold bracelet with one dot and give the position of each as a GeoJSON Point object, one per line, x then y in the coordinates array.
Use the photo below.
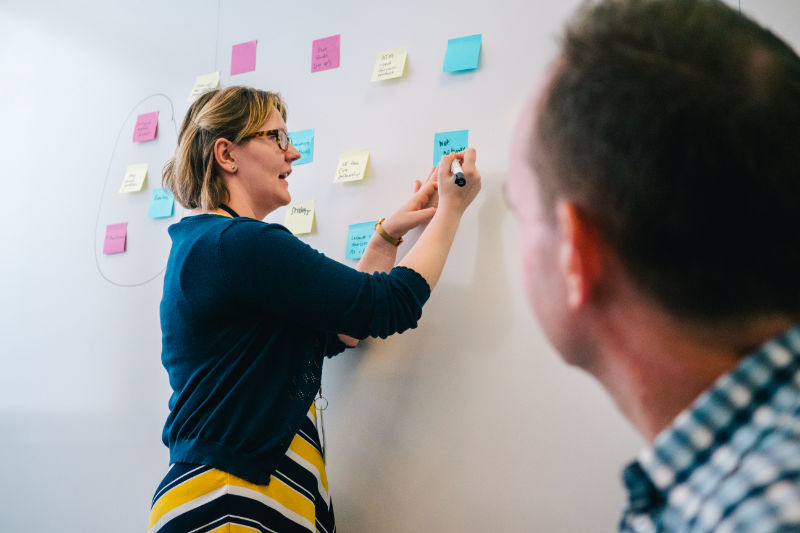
{"type": "Point", "coordinates": [395, 241]}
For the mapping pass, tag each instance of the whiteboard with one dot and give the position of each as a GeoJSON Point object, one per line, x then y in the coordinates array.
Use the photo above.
{"type": "Point", "coordinates": [468, 423]}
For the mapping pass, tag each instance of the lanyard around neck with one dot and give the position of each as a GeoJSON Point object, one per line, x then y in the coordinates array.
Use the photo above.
{"type": "Point", "coordinates": [228, 210]}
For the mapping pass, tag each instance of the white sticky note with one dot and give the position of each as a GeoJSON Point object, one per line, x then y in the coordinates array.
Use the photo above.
{"type": "Point", "coordinates": [300, 217]}
{"type": "Point", "coordinates": [204, 83]}
{"type": "Point", "coordinates": [390, 64]}
{"type": "Point", "coordinates": [135, 178]}
{"type": "Point", "coordinates": [352, 165]}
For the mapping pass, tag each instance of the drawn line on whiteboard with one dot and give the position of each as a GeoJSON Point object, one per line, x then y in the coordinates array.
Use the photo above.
{"type": "Point", "coordinates": [216, 45]}
{"type": "Point", "coordinates": [105, 184]}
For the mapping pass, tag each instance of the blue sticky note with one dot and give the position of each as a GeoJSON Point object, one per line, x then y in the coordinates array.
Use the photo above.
{"type": "Point", "coordinates": [462, 53]}
{"type": "Point", "coordinates": [448, 142]}
{"type": "Point", "coordinates": [304, 142]}
{"type": "Point", "coordinates": [161, 204]}
{"type": "Point", "coordinates": [358, 236]}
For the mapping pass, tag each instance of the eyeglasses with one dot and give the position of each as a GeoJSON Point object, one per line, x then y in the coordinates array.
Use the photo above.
{"type": "Point", "coordinates": [280, 136]}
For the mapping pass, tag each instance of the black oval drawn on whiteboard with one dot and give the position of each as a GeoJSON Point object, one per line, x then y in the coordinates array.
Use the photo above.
{"type": "Point", "coordinates": [147, 245]}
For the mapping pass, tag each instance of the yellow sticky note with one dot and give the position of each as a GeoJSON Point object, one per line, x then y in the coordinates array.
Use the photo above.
{"type": "Point", "coordinates": [390, 64]}
{"type": "Point", "coordinates": [204, 83]}
{"type": "Point", "coordinates": [300, 217]}
{"type": "Point", "coordinates": [135, 178]}
{"type": "Point", "coordinates": [352, 165]}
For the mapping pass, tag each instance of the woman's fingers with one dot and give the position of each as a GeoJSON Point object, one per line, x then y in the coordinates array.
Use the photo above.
{"type": "Point", "coordinates": [431, 175]}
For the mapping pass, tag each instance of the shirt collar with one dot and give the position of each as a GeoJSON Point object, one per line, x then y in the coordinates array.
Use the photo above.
{"type": "Point", "coordinates": [701, 431]}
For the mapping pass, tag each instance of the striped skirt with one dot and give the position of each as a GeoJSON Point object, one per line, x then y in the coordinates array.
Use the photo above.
{"type": "Point", "coordinates": [201, 499]}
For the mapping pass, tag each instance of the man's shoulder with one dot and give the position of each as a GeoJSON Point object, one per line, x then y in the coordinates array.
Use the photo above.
{"type": "Point", "coordinates": [750, 484]}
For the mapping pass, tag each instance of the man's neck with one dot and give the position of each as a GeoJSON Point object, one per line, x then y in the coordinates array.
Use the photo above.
{"type": "Point", "coordinates": [655, 366]}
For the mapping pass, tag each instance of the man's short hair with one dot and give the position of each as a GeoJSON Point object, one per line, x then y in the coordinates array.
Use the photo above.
{"type": "Point", "coordinates": [674, 125]}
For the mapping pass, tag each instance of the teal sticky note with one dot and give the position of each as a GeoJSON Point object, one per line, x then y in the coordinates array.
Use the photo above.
{"type": "Point", "coordinates": [161, 204]}
{"type": "Point", "coordinates": [358, 236]}
{"type": "Point", "coordinates": [304, 142]}
{"type": "Point", "coordinates": [448, 142]}
{"type": "Point", "coordinates": [462, 53]}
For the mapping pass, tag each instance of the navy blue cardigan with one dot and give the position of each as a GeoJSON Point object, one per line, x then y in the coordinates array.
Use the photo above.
{"type": "Point", "coordinates": [248, 313]}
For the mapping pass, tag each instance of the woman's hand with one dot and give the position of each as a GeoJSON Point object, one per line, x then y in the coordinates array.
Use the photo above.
{"type": "Point", "coordinates": [418, 210]}
{"type": "Point", "coordinates": [451, 196]}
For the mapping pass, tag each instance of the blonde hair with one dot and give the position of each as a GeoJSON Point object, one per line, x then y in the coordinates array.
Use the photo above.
{"type": "Point", "coordinates": [231, 113]}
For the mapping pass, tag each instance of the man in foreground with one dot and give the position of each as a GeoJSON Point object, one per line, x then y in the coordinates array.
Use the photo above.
{"type": "Point", "coordinates": [656, 179]}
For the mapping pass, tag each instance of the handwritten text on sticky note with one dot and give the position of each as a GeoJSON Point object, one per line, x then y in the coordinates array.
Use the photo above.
{"type": "Point", "coordinates": [462, 53]}
{"type": "Point", "coordinates": [135, 178]}
{"type": "Point", "coordinates": [352, 165]}
{"type": "Point", "coordinates": [300, 217]}
{"type": "Point", "coordinates": [243, 57]}
{"type": "Point", "coordinates": [448, 142]}
{"type": "Point", "coordinates": [146, 127]}
{"type": "Point", "coordinates": [390, 64]}
{"type": "Point", "coordinates": [304, 142]}
{"type": "Point", "coordinates": [358, 236]}
{"type": "Point", "coordinates": [325, 53]}
{"type": "Point", "coordinates": [204, 83]}
{"type": "Point", "coordinates": [162, 204]}
{"type": "Point", "coordinates": [116, 237]}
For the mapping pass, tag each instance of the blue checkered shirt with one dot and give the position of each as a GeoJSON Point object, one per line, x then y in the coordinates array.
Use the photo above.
{"type": "Point", "coordinates": [731, 461]}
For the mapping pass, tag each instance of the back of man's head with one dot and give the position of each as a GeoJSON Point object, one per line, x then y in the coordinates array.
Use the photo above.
{"type": "Point", "coordinates": [675, 125]}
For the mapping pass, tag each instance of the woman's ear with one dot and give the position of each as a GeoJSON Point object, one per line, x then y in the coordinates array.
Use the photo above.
{"type": "Point", "coordinates": [580, 254]}
{"type": "Point", "coordinates": [223, 155]}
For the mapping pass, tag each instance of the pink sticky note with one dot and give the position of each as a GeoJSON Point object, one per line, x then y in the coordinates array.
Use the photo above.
{"type": "Point", "coordinates": [325, 53]}
{"type": "Point", "coordinates": [116, 236]}
{"type": "Point", "coordinates": [243, 57]}
{"type": "Point", "coordinates": [146, 127]}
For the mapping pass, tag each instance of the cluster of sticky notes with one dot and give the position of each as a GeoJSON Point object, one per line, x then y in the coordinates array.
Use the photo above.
{"type": "Point", "coordinates": [462, 54]}
{"type": "Point", "coordinates": [162, 202]}
{"type": "Point", "coordinates": [303, 141]}
{"type": "Point", "coordinates": [300, 217]}
{"type": "Point", "coordinates": [358, 236]}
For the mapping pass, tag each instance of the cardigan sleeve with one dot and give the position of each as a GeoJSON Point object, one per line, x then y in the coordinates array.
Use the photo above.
{"type": "Point", "coordinates": [269, 268]}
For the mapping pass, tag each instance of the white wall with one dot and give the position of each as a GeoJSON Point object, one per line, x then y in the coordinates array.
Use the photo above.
{"type": "Point", "coordinates": [469, 423]}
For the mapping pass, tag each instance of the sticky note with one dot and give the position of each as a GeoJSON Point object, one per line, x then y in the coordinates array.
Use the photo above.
{"type": "Point", "coordinates": [161, 204]}
{"type": "Point", "coordinates": [135, 178]}
{"type": "Point", "coordinates": [304, 142]}
{"type": "Point", "coordinates": [448, 142]}
{"type": "Point", "coordinates": [146, 127]}
{"type": "Point", "coordinates": [390, 64]}
{"type": "Point", "coordinates": [300, 217]}
{"type": "Point", "coordinates": [358, 236]}
{"type": "Point", "coordinates": [116, 237]}
{"type": "Point", "coordinates": [204, 83]}
{"type": "Point", "coordinates": [462, 53]}
{"type": "Point", "coordinates": [243, 57]}
{"type": "Point", "coordinates": [352, 165]}
{"type": "Point", "coordinates": [325, 53]}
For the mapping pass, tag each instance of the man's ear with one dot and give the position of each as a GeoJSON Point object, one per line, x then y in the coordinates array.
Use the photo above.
{"type": "Point", "coordinates": [580, 254]}
{"type": "Point", "coordinates": [223, 155]}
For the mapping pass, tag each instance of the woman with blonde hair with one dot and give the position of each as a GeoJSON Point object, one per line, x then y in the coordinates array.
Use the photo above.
{"type": "Point", "coordinates": [249, 312]}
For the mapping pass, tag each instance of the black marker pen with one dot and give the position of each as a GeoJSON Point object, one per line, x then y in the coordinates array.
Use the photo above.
{"type": "Point", "coordinates": [458, 172]}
